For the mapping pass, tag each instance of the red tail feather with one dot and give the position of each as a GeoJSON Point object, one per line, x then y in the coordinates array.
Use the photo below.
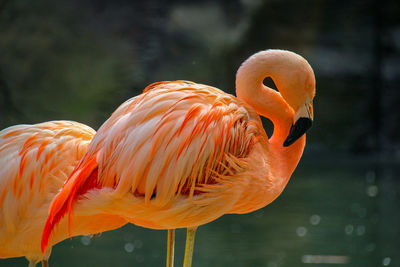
{"type": "Point", "coordinates": [81, 180]}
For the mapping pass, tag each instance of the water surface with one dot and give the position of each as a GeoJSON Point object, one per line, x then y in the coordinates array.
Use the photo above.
{"type": "Point", "coordinates": [332, 213]}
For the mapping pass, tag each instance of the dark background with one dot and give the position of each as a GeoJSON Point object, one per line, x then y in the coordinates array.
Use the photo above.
{"type": "Point", "coordinates": [79, 60]}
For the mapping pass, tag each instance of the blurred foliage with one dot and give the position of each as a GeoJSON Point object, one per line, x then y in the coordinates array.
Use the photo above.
{"type": "Point", "coordinates": [52, 68]}
{"type": "Point", "coordinates": [79, 60]}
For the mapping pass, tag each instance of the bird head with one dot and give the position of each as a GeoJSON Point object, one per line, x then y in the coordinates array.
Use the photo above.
{"type": "Point", "coordinates": [301, 100]}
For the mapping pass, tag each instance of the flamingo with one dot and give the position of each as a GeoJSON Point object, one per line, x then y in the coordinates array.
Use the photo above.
{"type": "Point", "coordinates": [182, 154]}
{"type": "Point", "coordinates": [35, 161]}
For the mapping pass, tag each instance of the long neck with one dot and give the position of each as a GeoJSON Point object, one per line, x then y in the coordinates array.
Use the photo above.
{"type": "Point", "coordinates": [266, 101]}
{"type": "Point", "coordinates": [270, 104]}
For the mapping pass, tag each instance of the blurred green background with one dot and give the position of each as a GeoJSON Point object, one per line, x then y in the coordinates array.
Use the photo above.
{"type": "Point", "coordinates": [78, 60]}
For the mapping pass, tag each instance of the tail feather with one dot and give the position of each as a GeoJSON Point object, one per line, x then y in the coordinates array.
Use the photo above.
{"type": "Point", "coordinates": [82, 179]}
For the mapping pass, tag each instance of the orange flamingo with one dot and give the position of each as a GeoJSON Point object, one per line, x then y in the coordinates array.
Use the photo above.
{"type": "Point", "coordinates": [35, 161]}
{"type": "Point", "coordinates": [183, 154]}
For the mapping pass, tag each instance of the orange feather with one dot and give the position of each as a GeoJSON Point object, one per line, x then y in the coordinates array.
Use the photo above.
{"type": "Point", "coordinates": [36, 160]}
{"type": "Point", "coordinates": [183, 154]}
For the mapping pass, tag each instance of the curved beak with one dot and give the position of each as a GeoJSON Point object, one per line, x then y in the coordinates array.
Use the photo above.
{"type": "Point", "coordinates": [302, 122]}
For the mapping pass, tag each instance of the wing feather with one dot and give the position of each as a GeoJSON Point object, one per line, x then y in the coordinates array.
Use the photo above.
{"type": "Point", "coordinates": [176, 139]}
{"type": "Point", "coordinates": [35, 161]}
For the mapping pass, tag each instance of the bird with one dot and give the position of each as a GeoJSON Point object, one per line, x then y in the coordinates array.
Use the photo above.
{"type": "Point", "coordinates": [182, 154]}
{"type": "Point", "coordinates": [35, 161]}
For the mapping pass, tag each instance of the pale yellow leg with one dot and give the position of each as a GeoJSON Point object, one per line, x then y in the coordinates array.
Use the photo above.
{"type": "Point", "coordinates": [45, 263]}
{"type": "Point", "coordinates": [191, 232]}
{"type": "Point", "coordinates": [32, 263]}
{"type": "Point", "coordinates": [170, 247]}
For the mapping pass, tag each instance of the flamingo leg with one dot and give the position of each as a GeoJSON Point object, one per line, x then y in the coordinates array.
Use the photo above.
{"type": "Point", "coordinates": [32, 263]}
{"type": "Point", "coordinates": [170, 247]}
{"type": "Point", "coordinates": [45, 263]}
{"type": "Point", "coordinates": [191, 232]}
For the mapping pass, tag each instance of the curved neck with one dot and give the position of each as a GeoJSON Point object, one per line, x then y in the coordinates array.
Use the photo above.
{"type": "Point", "coordinates": [266, 102]}
{"type": "Point", "coordinates": [270, 103]}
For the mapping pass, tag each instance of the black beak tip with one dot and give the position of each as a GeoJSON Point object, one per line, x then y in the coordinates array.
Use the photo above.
{"type": "Point", "coordinates": [297, 130]}
{"type": "Point", "coordinates": [288, 142]}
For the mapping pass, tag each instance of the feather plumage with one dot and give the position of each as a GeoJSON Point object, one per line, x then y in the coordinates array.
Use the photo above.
{"type": "Point", "coordinates": [178, 144]}
{"type": "Point", "coordinates": [182, 154]}
{"type": "Point", "coordinates": [35, 161]}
